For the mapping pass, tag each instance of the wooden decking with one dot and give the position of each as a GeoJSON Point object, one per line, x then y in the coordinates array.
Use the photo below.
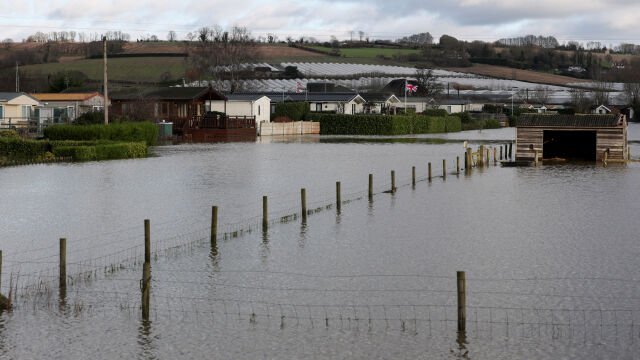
{"type": "Point", "coordinates": [210, 128]}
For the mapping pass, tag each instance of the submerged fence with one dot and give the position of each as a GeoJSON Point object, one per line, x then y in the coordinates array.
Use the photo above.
{"type": "Point", "coordinates": [425, 304]}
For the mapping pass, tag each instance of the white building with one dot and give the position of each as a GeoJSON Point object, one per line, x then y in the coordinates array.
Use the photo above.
{"type": "Point", "coordinates": [256, 105]}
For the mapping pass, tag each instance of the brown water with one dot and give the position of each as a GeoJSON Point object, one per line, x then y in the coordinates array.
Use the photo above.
{"type": "Point", "coordinates": [550, 254]}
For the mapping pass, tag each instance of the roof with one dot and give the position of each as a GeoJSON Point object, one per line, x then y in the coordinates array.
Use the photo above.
{"type": "Point", "coordinates": [168, 93]}
{"type": "Point", "coordinates": [379, 97]}
{"type": "Point", "coordinates": [308, 97]}
{"type": "Point", "coordinates": [573, 121]}
{"type": "Point", "coordinates": [65, 97]}
{"type": "Point", "coordinates": [244, 97]}
{"type": "Point", "coordinates": [8, 96]}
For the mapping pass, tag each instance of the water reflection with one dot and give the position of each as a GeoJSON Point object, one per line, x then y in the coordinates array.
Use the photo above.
{"type": "Point", "coordinates": [145, 341]}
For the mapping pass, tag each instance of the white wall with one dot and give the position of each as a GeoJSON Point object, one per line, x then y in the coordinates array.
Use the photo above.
{"type": "Point", "coordinates": [260, 108]}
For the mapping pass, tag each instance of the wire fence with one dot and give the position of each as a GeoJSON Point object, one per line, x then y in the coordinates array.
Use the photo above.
{"type": "Point", "coordinates": [35, 270]}
{"type": "Point", "coordinates": [508, 307]}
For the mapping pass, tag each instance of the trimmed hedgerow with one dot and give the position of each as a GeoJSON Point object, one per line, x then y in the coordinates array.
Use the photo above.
{"type": "Point", "coordinates": [138, 131]}
{"type": "Point", "coordinates": [385, 124]}
{"type": "Point", "coordinates": [102, 151]}
{"type": "Point", "coordinates": [295, 111]}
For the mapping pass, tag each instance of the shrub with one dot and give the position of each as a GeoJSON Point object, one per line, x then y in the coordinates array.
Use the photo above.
{"type": "Point", "coordinates": [8, 134]}
{"type": "Point", "coordinates": [102, 151]}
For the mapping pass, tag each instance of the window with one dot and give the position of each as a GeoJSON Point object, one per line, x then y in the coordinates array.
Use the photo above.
{"type": "Point", "coordinates": [319, 107]}
{"type": "Point", "coordinates": [353, 108]}
{"type": "Point", "coordinates": [258, 110]}
{"type": "Point", "coordinates": [26, 111]}
{"type": "Point", "coordinates": [1, 111]}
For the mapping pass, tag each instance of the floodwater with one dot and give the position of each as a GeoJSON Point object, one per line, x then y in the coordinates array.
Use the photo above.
{"type": "Point", "coordinates": [550, 254]}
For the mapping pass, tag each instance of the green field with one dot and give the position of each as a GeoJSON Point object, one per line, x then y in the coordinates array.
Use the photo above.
{"type": "Point", "coordinates": [369, 53]}
{"type": "Point", "coordinates": [144, 69]}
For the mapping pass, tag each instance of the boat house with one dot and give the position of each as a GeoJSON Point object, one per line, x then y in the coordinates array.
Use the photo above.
{"type": "Point", "coordinates": [574, 137]}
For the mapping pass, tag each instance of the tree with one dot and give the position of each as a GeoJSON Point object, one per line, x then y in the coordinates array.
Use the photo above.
{"type": "Point", "coordinates": [427, 84]}
{"type": "Point", "coordinates": [601, 92]}
{"type": "Point", "coordinates": [221, 57]}
{"type": "Point", "coordinates": [580, 100]}
{"type": "Point", "coordinates": [63, 80]}
{"type": "Point", "coordinates": [541, 95]}
{"type": "Point", "coordinates": [171, 36]}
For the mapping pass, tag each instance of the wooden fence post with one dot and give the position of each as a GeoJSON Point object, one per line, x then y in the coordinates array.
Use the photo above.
{"type": "Point", "coordinates": [265, 213]}
{"type": "Point", "coordinates": [429, 166]}
{"type": "Point", "coordinates": [510, 148]}
{"type": "Point", "coordinates": [535, 157]}
{"type": "Point", "coordinates": [370, 186]}
{"type": "Point", "coordinates": [393, 181]}
{"type": "Point", "coordinates": [444, 169]}
{"type": "Point", "coordinates": [214, 226]}
{"type": "Point", "coordinates": [457, 165]}
{"type": "Point", "coordinates": [63, 263]}
{"type": "Point", "coordinates": [462, 301]}
{"type": "Point", "coordinates": [147, 241]}
{"type": "Point", "coordinates": [145, 287]}
{"type": "Point", "coordinates": [303, 201]}
{"type": "Point", "coordinates": [338, 197]}
{"type": "Point", "coordinates": [495, 157]}
{"type": "Point", "coordinates": [500, 152]}
{"type": "Point", "coordinates": [413, 176]}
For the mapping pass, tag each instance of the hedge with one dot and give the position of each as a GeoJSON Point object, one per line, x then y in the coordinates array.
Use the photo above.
{"type": "Point", "coordinates": [138, 131]}
{"type": "Point", "coordinates": [295, 111]}
{"type": "Point", "coordinates": [102, 151]}
{"type": "Point", "coordinates": [17, 148]}
{"type": "Point", "coordinates": [385, 124]}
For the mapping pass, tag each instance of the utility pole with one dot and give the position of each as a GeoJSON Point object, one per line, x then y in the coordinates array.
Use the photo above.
{"type": "Point", "coordinates": [106, 91]}
{"type": "Point", "coordinates": [17, 78]}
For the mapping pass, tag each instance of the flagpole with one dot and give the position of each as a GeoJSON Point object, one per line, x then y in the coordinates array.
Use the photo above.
{"type": "Point", "coordinates": [405, 96]}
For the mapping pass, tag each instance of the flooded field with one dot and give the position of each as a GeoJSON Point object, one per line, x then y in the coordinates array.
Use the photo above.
{"type": "Point", "coordinates": [550, 254]}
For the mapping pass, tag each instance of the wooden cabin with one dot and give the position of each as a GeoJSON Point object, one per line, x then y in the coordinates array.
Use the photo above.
{"type": "Point", "coordinates": [573, 137]}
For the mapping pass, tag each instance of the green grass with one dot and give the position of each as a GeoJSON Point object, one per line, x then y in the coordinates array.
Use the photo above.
{"type": "Point", "coordinates": [369, 53]}
{"type": "Point", "coordinates": [147, 69]}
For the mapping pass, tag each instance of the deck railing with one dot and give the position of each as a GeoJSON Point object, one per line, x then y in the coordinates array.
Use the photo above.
{"type": "Point", "coordinates": [221, 122]}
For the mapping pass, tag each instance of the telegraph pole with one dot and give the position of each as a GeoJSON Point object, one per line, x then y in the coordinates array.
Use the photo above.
{"type": "Point", "coordinates": [106, 91]}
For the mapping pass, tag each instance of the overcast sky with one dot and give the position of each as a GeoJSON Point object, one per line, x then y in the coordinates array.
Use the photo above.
{"type": "Point", "coordinates": [607, 21]}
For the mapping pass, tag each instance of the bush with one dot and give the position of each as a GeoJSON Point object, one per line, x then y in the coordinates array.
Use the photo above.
{"type": "Point", "coordinates": [92, 117]}
{"type": "Point", "coordinates": [130, 132]}
{"type": "Point", "coordinates": [384, 124]}
{"type": "Point", "coordinates": [8, 134]}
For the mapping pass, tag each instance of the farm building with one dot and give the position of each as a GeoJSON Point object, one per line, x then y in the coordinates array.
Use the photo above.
{"type": "Point", "coordinates": [575, 137]}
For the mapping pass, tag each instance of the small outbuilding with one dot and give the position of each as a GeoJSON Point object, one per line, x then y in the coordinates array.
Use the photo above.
{"type": "Point", "coordinates": [573, 137]}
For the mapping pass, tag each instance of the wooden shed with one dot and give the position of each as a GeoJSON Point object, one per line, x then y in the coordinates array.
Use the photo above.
{"type": "Point", "coordinates": [572, 137]}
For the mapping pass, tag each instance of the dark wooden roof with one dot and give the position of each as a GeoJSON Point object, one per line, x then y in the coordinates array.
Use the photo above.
{"type": "Point", "coordinates": [170, 93]}
{"type": "Point", "coordinates": [571, 121]}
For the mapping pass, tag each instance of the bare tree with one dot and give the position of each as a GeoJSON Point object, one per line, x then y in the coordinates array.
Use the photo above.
{"type": "Point", "coordinates": [171, 36]}
{"type": "Point", "coordinates": [223, 57]}
{"type": "Point", "coordinates": [427, 84]}
{"type": "Point", "coordinates": [541, 95]}
{"type": "Point", "coordinates": [580, 100]}
{"type": "Point", "coordinates": [601, 92]}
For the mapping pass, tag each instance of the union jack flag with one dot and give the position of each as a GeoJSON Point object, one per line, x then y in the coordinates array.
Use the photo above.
{"type": "Point", "coordinates": [410, 88]}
